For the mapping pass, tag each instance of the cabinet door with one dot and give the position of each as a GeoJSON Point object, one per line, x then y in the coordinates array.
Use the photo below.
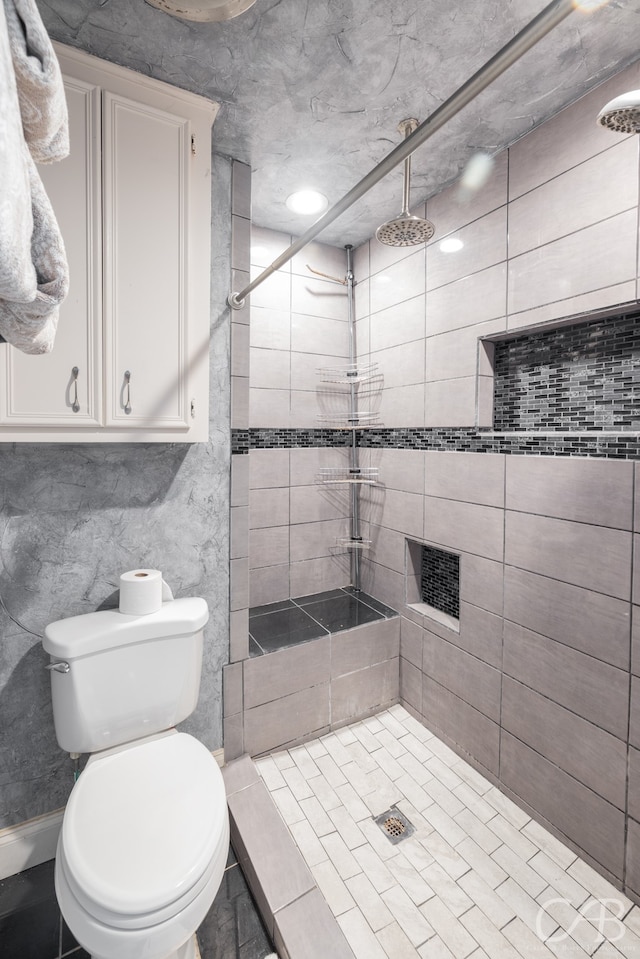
{"type": "Point", "coordinates": [45, 390]}
{"type": "Point", "coordinates": [146, 155]}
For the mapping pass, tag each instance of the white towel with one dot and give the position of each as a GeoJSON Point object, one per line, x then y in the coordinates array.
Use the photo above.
{"type": "Point", "coordinates": [34, 276]}
{"type": "Point", "coordinates": [31, 326]}
{"type": "Point", "coordinates": [40, 92]}
{"type": "Point", "coordinates": [17, 274]}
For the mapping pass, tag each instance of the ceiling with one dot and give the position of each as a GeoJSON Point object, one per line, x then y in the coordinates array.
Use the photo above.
{"type": "Point", "coordinates": [311, 91]}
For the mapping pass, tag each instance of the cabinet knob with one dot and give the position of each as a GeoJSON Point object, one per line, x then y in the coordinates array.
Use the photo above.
{"type": "Point", "coordinates": [127, 383]}
{"type": "Point", "coordinates": [75, 406]}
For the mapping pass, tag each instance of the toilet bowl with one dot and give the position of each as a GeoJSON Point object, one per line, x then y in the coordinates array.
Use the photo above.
{"type": "Point", "coordinates": [143, 848]}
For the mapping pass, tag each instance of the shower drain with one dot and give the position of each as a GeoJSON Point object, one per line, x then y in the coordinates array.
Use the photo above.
{"type": "Point", "coordinates": [394, 824]}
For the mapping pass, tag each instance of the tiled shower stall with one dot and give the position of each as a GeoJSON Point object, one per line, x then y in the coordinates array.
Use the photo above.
{"type": "Point", "coordinates": [502, 459]}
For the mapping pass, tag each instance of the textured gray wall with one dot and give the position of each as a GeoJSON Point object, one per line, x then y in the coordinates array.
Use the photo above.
{"type": "Point", "coordinates": [73, 517]}
{"type": "Point", "coordinates": [311, 91]}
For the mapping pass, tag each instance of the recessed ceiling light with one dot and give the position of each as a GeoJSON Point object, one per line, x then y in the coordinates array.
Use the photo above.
{"type": "Point", "coordinates": [307, 202]}
{"type": "Point", "coordinates": [451, 245]}
{"type": "Point", "coordinates": [203, 10]}
{"type": "Point", "coordinates": [588, 6]}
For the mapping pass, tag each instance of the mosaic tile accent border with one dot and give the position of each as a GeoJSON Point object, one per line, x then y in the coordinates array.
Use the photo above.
{"type": "Point", "coordinates": [607, 445]}
{"type": "Point", "coordinates": [440, 580]}
{"type": "Point", "coordinates": [582, 377]}
{"type": "Point", "coordinates": [261, 439]}
{"type": "Point", "coordinates": [599, 444]}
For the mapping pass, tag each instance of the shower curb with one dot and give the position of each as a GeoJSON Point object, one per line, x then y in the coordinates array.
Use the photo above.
{"type": "Point", "coordinates": [293, 909]}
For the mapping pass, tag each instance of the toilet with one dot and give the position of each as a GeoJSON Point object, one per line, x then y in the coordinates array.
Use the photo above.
{"type": "Point", "coordinates": [145, 834]}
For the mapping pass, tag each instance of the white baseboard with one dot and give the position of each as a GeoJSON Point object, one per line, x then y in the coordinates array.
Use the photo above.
{"type": "Point", "coordinates": [29, 843]}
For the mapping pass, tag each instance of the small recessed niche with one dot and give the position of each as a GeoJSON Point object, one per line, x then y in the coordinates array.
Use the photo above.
{"type": "Point", "coordinates": [433, 583]}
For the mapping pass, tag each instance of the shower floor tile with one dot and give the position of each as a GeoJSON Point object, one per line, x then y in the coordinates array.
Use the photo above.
{"type": "Point", "coordinates": [478, 878]}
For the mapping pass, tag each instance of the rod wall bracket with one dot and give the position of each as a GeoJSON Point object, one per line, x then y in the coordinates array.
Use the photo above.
{"type": "Point", "coordinates": [235, 302]}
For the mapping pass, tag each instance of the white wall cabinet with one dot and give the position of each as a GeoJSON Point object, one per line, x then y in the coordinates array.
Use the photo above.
{"type": "Point", "coordinates": [133, 200]}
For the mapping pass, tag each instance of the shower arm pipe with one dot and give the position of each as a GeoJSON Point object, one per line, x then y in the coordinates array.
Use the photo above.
{"type": "Point", "coordinates": [407, 127]}
{"type": "Point", "coordinates": [536, 29]}
{"type": "Point", "coordinates": [406, 187]}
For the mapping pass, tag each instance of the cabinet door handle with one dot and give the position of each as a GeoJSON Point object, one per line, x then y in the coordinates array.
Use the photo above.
{"type": "Point", "coordinates": [127, 383]}
{"type": "Point", "coordinates": [75, 406]}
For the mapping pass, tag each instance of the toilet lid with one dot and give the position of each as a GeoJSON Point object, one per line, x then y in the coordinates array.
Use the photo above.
{"type": "Point", "coordinates": [142, 824]}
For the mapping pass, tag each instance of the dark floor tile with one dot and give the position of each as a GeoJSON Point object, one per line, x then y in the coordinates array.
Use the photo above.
{"type": "Point", "coordinates": [31, 933]}
{"type": "Point", "coordinates": [386, 611]}
{"type": "Point", "coordinates": [234, 883]}
{"type": "Point", "coordinates": [254, 949]}
{"type": "Point", "coordinates": [68, 939]}
{"type": "Point", "coordinates": [78, 953]}
{"type": "Point", "coordinates": [29, 915]}
{"type": "Point", "coordinates": [270, 608]}
{"type": "Point", "coordinates": [232, 928]}
{"type": "Point", "coordinates": [250, 928]}
{"type": "Point", "coordinates": [285, 628]}
{"type": "Point", "coordinates": [27, 888]}
{"type": "Point", "coordinates": [218, 935]}
{"type": "Point", "coordinates": [318, 597]}
{"type": "Point", "coordinates": [344, 612]}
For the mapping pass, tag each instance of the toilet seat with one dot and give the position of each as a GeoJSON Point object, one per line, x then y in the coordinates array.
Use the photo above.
{"type": "Point", "coordinates": [143, 829]}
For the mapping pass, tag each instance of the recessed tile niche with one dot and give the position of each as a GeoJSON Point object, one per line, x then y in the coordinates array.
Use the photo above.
{"type": "Point", "coordinates": [572, 378]}
{"type": "Point", "coordinates": [433, 583]}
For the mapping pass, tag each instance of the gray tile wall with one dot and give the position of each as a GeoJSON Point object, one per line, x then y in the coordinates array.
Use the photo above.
{"type": "Point", "coordinates": [538, 688]}
{"type": "Point", "coordinates": [298, 324]}
{"type": "Point", "coordinates": [299, 693]}
{"type": "Point", "coordinates": [72, 518]}
{"type": "Point", "coordinates": [540, 684]}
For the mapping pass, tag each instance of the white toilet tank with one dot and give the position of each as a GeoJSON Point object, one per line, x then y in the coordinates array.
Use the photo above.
{"type": "Point", "coordinates": [127, 676]}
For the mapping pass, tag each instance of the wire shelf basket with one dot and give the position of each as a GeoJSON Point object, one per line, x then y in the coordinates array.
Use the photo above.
{"type": "Point", "coordinates": [349, 373]}
{"type": "Point", "coordinates": [345, 542]}
{"type": "Point", "coordinates": [362, 476]}
{"type": "Point", "coordinates": [350, 421]}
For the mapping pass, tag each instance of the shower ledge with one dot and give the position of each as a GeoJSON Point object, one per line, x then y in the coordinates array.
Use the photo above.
{"type": "Point", "coordinates": [294, 911]}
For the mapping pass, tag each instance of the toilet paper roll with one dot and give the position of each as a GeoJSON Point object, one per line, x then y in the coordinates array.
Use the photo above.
{"type": "Point", "coordinates": [141, 592]}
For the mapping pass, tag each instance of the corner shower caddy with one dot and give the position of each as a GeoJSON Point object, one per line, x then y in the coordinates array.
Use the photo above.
{"type": "Point", "coordinates": [351, 374]}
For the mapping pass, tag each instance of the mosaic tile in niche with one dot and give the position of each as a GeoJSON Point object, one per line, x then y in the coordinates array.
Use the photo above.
{"type": "Point", "coordinates": [582, 377]}
{"type": "Point", "coordinates": [440, 580]}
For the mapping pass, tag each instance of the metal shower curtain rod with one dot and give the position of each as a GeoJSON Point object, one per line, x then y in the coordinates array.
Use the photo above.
{"type": "Point", "coordinates": [536, 29]}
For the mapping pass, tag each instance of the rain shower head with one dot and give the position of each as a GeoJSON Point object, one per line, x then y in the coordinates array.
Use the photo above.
{"type": "Point", "coordinates": [406, 229]}
{"type": "Point", "coordinates": [622, 115]}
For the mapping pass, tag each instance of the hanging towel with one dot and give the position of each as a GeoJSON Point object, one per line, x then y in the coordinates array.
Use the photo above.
{"type": "Point", "coordinates": [40, 91]}
{"type": "Point", "coordinates": [34, 276]}
{"type": "Point", "coordinates": [17, 273]}
{"type": "Point", "coordinates": [31, 326]}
